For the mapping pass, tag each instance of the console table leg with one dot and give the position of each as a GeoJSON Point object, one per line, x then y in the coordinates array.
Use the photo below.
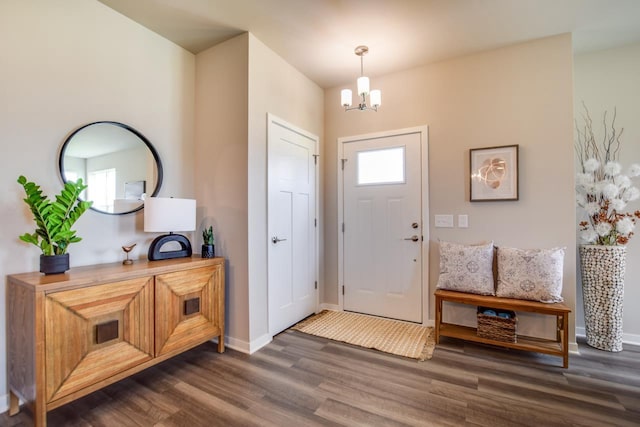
{"type": "Point", "coordinates": [40, 416]}
{"type": "Point", "coordinates": [14, 403]}
{"type": "Point", "coordinates": [221, 343]}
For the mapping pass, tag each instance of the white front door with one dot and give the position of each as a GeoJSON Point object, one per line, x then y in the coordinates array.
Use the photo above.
{"type": "Point", "coordinates": [383, 230]}
{"type": "Point", "coordinates": [291, 209]}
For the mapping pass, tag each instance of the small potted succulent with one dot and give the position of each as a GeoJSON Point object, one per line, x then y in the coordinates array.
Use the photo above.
{"type": "Point", "coordinates": [54, 220]}
{"type": "Point", "coordinates": [208, 248]}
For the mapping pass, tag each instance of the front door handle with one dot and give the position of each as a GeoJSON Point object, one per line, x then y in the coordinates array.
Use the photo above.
{"type": "Point", "coordinates": [413, 238]}
{"type": "Point", "coordinates": [275, 240]}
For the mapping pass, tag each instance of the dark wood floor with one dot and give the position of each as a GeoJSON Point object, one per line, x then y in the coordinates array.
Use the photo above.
{"type": "Point", "coordinates": [301, 380]}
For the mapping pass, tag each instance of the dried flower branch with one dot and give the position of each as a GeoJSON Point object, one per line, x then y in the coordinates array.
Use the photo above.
{"type": "Point", "coordinates": [602, 190]}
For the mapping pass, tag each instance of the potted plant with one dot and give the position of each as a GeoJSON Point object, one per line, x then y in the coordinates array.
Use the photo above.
{"type": "Point", "coordinates": [208, 248]}
{"type": "Point", "coordinates": [603, 193]}
{"type": "Point", "coordinates": [54, 220]}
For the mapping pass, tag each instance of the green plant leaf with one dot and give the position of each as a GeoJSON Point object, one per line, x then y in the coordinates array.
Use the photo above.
{"type": "Point", "coordinates": [30, 238]}
{"type": "Point", "coordinates": [54, 219]}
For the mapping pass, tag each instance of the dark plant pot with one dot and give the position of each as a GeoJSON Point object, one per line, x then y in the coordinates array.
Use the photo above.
{"type": "Point", "coordinates": [54, 264]}
{"type": "Point", "coordinates": [208, 251]}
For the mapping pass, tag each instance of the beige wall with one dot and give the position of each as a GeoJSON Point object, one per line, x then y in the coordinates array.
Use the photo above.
{"type": "Point", "coordinates": [278, 88]}
{"type": "Point", "coordinates": [221, 169]}
{"type": "Point", "coordinates": [606, 80]}
{"type": "Point", "coordinates": [516, 95]}
{"type": "Point", "coordinates": [65, 64]}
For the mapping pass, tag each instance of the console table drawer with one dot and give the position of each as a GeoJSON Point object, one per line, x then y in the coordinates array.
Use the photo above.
{"type": "Point", "coordinates": [76, 353]}
{"type": "Point", "coordinates": [187, 311]}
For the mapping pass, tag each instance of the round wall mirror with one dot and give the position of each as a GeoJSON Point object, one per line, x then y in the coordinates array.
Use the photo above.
{"type": "Point", "coordinates": [119, 165]}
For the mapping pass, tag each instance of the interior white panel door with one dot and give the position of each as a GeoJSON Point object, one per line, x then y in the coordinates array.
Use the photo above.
{"type": "Point", "coordinates": [382, 188]}
{"type": "Point", "coordinates": [291, 203]}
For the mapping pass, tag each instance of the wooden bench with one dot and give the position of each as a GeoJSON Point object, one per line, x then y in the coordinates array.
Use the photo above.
{"type": "Point", "coordinates": [557, 347]}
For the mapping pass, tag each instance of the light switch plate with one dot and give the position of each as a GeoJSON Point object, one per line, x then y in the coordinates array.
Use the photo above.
{"type": "Point", "coordinates": [444, 221]}
{"type": "Point", "coordinates": [463, 221]}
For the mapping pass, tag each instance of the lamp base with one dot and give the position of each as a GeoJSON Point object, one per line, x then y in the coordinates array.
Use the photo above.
{"type": "Point", "coordinates": [158, 242]}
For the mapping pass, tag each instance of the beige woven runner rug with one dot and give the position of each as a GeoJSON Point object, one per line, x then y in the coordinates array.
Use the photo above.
{"type": "Point", "coordinates": [390, 336]}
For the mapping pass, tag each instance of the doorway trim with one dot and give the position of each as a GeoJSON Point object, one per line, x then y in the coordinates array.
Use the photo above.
{"type": "Point", "coordinates": [424, 152]}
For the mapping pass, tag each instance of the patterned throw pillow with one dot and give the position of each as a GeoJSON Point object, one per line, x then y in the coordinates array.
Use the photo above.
{"type": "Point", "coordinates": [531, 274]}
{"type": "Point", "coordinates": [466, 268]}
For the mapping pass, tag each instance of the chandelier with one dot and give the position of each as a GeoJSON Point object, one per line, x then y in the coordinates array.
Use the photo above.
{"type": "Point", "coordinates": [375, 96]}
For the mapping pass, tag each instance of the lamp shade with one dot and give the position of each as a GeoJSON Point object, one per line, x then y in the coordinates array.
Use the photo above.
{"type": "Point", "coordinates": [345, 97]}
{"type": "Point", "coordinates": [363, 85]}
{"type": "Point", "coordinates": [375, 97]}
{"type": "Point", "coordinates": [163, 214]}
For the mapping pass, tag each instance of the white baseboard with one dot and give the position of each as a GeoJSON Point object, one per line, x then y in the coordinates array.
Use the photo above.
{"type": "Point", "coordinates": [631, 339]}
{"type": "Point", "coordinates": [626, 338]}
{"type": "Point", "coordinates": [236, 344]}
{"type": "Point", "coordinates": [247, 347]}
{"type": "Point", "coordinates": [257, 344]}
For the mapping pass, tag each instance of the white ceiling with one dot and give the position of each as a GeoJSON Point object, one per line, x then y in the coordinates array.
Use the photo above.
{"type": "Point", "coordinates": [318, 36]}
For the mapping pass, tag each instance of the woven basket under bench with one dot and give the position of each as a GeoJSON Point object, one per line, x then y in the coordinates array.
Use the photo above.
{"type": "Point", "coordinates": [496, 327]}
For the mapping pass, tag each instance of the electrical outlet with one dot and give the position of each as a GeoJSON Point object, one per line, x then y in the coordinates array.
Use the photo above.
{"type": "Point", "coordinates": [463, 221]}
{"type": "Point", "coordinates": [444, 221]}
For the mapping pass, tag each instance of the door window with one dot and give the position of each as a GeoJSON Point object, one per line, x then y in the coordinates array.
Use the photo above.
{"type": "Point", "coordinates": [382, 166]}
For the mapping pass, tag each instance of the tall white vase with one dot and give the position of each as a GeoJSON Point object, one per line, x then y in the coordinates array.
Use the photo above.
{"type": "Point", "coordinates": [602, 269]}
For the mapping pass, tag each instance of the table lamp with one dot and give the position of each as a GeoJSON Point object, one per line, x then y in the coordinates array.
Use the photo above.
{"type": "Point", "coordinates": [166, 215]}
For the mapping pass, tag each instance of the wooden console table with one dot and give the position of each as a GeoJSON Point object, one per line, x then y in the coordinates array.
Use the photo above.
{"type": "Point", "coordinates": [557, 347]}
{"type": "Point", "coordinates": [71, 334]}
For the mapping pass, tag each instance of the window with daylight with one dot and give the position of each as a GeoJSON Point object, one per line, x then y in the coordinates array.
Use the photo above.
{"type": "Point", "coordinates": [102, 189]}
{"type": "Point", "coordinates": [384, 166]}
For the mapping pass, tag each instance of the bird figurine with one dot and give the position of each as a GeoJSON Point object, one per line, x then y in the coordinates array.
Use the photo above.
{"type": "Point", "coordinates": [126, 250]}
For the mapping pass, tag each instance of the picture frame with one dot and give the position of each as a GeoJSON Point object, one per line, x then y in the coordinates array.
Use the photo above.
{"type": "Point", "coordinates": [493, 173]}
{"type": "Point", "coordinates": [134, 190]}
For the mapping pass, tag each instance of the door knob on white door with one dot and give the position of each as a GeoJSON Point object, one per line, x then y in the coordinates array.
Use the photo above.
{"type": "Point", "coordinates": [275, 239]}
{"type": "Point", "coordinates": [413, 238]}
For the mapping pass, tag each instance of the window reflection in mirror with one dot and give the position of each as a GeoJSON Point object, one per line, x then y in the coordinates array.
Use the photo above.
{"type": "Point", "coordinates": [119, 165]}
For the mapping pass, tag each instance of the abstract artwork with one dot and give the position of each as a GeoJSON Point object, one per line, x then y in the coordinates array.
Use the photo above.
{"type": "Point", "coordinates": [494, 173]}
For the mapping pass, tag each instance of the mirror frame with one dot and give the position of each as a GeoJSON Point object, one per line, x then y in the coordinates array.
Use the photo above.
{"type": "Point", "coordinates": [151, 148]}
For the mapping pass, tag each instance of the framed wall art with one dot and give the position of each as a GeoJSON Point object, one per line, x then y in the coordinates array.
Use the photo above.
{"type": "Point", "coordinates": [494, 173]}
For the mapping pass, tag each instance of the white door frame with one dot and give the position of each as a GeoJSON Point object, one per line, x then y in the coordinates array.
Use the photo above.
{"type": "Point", "coordinates": [273, 120]}
{"type": "Point", "coordinates": [424, 150]}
